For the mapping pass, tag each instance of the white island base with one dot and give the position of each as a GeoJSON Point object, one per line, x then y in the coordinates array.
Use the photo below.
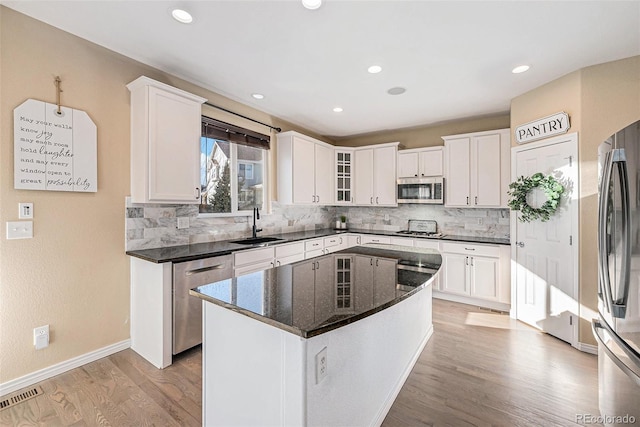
{"type": "Point", "coordinates": [255, 374]}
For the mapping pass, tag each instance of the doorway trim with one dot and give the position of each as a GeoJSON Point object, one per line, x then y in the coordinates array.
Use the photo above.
{"type": "Point", "coordinates": [571, 138]}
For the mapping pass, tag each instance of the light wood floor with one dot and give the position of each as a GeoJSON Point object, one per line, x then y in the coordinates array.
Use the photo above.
{"type": "Point", "coordinates": [478, 369]}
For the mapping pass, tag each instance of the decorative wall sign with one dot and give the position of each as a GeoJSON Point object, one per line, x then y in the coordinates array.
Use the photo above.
{"type": "Point", "coordinates": [543, 128]}
{"type": "Point", "coordinates": [56, 152]}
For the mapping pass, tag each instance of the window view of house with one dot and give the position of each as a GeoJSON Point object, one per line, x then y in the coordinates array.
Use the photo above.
{"type": "Point", "coordinates": [231, 176]}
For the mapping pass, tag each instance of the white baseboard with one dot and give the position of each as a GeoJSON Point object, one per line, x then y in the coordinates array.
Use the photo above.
{"type": "Point", "coordinates": [396, 390]}
{"type": "Point", "coordinates": [59, 368]}
{"type": "Point", "coordinates": [588, 348]}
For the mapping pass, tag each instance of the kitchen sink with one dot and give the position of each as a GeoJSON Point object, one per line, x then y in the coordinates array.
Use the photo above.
{"type": "Point", "coordinates": [258, 241]}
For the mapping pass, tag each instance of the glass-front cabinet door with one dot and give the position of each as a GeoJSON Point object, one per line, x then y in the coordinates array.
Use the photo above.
{"type": "Point", "coordinates": [344, 177]}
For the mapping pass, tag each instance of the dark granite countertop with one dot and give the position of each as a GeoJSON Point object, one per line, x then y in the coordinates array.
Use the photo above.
{"type": "Point", "coordinates": [205, 250]}
{"type": "Point", "coordinates": [315, 296]}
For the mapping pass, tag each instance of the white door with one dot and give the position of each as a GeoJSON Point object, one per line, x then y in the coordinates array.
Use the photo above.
{"type": "Point", "coordinates": [303, 171]}
{"type": "Point", "coordinates": [546, 259]}
{"type": "Point", "coordinates": [485, 171]}
{"type": "Point", "coordinates": [457, 172]}
{"type": "Point", "coordinates": [324, 174]}
{"type": "Point", "coordinates": [384, 168]}
{"type": "Point", "coordinates": [363, 191]}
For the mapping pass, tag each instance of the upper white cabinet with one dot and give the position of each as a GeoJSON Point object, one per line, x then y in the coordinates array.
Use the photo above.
{"type": "Point", "coordinates": [344, 173]}
{"type": "Point", "coordinates": [375, 175]}
{"type": "Point", "coordinates": [421, 162]}
{"type": "Point", "coordinates": [165, 149]}
{"type": "Point", "coordinates": [305, 170]}
{"type": "Point", "coordinates": [477, 169]}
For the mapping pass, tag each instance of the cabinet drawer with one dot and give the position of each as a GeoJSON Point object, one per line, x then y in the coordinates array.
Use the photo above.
{"type": "Point", "coordinates": [313, 245]}
{"type": "Point", "coordinates": [253, 256]}
{"type": "Point", "coordinates": [375, 239]}
{"type": "Point", "coordinates": [471, 249]}
{"type": "Point", "coordinates": [289, 249]}
{"type": "Point", "coordinates": [289, 259]}
{"type": "Point", "coordinates": [426, 243]}
{"type": "Point", "coordinates": [333, 241]}
{"type": "Point", "coordinates": [402, 241]}
{"type": "Point", "coordinates": [252, 268]}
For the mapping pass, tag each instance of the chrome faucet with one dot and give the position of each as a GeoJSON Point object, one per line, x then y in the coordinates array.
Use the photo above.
{"type": "Point", "coordinates": [256, 215]}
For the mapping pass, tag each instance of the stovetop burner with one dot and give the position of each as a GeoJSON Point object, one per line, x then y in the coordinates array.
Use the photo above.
{"type": "Point", "coordinates": [423, 228]}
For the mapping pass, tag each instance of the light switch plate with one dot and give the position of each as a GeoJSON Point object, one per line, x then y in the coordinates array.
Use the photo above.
{"type": "Point", "coordinates": [25, 210]}
{"type": "Point", "coordinates": [19, 230]}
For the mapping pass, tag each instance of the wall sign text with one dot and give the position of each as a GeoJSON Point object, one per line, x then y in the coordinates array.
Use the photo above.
{"type": "Point", "coordinates": [543, 128]}
{"type": "Point", "coordinates": [56, 152]}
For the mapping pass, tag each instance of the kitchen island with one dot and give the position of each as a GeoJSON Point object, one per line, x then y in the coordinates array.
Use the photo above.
{"type": "Point", "coordinates": [326, 341]}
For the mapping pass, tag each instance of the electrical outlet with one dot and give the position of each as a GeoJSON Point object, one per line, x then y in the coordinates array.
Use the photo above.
{"type": "Point", "coordinates": [321, 365]}
{"type": "Point", "coordinates": [41, 337]}
{"type": "Point", "coordinates": [183, 222]}
{"type": "Point", "coordinates": [480, 221]}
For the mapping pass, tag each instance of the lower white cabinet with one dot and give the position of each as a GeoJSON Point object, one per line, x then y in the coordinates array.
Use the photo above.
{"type": "Point", "coordinates": [250, 261]}
{"type": "Point", "coordinates": [334, 244]}
{"type": "Point", "coordinates": [477, 272]}
{"type": "Point", "coordinates": [371, 238]}
{"type": "Point", "coordinates": [289, 253]}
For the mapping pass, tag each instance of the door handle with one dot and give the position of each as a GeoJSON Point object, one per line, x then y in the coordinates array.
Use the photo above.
{"type": "Point", "coordinates": [203, 269]}
{"type": "Point", "coordinates": [629, 352]}
{"type": "Point", "coordinates": [520, 244]}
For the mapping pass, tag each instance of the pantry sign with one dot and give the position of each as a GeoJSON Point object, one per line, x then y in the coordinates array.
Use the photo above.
{"type": "Point", "coordinates": [543, 128]}
{"type": "Point", "coordinates": [55, 148]}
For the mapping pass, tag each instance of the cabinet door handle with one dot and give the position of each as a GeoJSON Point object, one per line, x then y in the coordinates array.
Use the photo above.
{"type": "Point", "coordinates": [415, 175]}
{"type": "Point", "coordinates": [371, 199]}
{"type": "Point", "coordinates": [466, 260]}
{"type": "Point", "coordinates": [476, 200]}
{"type": "Point", "coordinates": [377, 262]}
{"type": "Point", "coordinates": [377, 201]}
{"type": "Point", "coordinates": [469, 249]}
{"type": "Point", "coordinates": [313, 266]}
{"type": "Point", "coordinates": [318, 265]}
{"type": "Point", "coordinates": [197, 193]}
{"type": "Point", "coordinates": [341, 240]}
{"type": "Point", "coordinates": [467, 200]}
{"type": "Point", "coordinates": [318, 197]}
{"type": "Point", "coordinates": [471, 261]}
{"type": "Point", "coordinates": [279, 263]}
{"type": "Point", "coordinates": [371, 261]}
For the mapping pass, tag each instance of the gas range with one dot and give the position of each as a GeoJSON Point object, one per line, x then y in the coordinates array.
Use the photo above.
{"type": "Point", "coordinates": [422, 228]}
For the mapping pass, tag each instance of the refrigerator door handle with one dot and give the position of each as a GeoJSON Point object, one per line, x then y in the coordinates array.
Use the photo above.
{"type": "Point", "coordinates": [604, 286]}
{"type": "Point", "coordinates": [619, 301]}
{"type": "Point", "coordinates": [631, 353]}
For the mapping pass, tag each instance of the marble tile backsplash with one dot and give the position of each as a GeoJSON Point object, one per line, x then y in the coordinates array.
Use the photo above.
{"type": "Point", "coordinates": [155, 225]}
{"type": "Point", "coordinates": [452, 221]}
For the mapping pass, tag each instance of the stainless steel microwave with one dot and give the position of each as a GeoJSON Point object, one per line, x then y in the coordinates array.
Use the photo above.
{"type": "Point", "coordinates": [421, 190]}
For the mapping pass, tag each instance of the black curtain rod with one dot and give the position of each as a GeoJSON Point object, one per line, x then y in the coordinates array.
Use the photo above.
{"type": "Point", "coordinates": [244, 117]}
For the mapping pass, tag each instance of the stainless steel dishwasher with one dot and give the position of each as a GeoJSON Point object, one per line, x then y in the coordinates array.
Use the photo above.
{"type": "Point", "coordinates": [187, 309]}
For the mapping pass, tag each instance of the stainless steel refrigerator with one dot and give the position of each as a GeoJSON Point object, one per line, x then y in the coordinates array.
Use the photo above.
{"type": "Point", "coordinates": [617, 328]}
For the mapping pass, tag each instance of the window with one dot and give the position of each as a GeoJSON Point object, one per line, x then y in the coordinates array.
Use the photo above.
{"type": "Point", "coordinates": [232, 169]}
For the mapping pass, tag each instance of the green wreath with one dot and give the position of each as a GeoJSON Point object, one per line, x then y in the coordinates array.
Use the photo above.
{"type": "Point", "coordinates": [519, 189]}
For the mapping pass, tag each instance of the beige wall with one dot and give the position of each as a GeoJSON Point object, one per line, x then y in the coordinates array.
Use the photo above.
{"type": "Point", "coordinates": [73, 275]}
{"type": "Point", "coordinates": [428, 136]}
{"type": "Point", "coordinates": [599, 100]}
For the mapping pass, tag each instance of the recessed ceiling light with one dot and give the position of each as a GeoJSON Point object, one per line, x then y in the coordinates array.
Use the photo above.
{"type": "Point", "coordinates": [396, 90]}
{"type": "Point", "coordinates": [520, 69]}
{"type": "Point", "coordinates": [374, 69]}
{"type": "Point", "coordinates": [312, 4]}
{"type": "Point", "coordinates": [257, 95]}
{"type": "Point", "coordinates": [337, 110]}
{"type": "Point", "coordinates": [182, 16]}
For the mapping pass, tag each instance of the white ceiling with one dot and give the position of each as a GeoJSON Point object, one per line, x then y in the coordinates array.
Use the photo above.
{"type": "Point", "coordinates": [454, 58]}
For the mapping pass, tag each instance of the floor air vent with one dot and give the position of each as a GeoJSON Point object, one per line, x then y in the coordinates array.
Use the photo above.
{"type": "Point", "coordinates": [20, 397]}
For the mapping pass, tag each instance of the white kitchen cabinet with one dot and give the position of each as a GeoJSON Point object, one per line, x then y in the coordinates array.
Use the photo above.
{"type": "Point", "coordinates": [370, 276]}
{"type": "Point", "coordinates": [344, 176]}
{"type": "Point", "coordinates": [313, 282]}
{"type": "Point", "coordinates": [305, 170]}
{"type": "Point", "coordinates": [250, 261]}
{"type": "Point", "coordinates": [288, 253]}
{"type": "Point", "coordinates": [375, 175]}
{"type": "Point", "coordinates": [422, 162]}
{"type": "Point", "coordinates": [477, 169]}
{"type": "Point", "coordinates": [334, 244]}
{"type": "Point", "coordinates": [165, 149]}
{"type": "Point", "coordinates": [478, 273]}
